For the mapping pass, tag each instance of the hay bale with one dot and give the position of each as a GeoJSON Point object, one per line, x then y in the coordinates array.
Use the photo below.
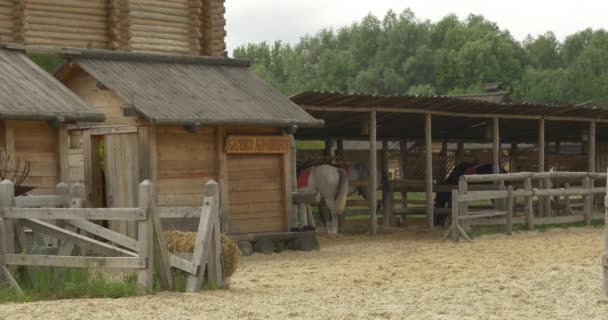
{"type": "Point", "coordinates": [231, 255]}
{"type": "Point", "coordinates": [183, 242]}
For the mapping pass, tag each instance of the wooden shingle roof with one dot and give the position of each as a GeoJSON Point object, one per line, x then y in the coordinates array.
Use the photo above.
{"type": "Point", "coordinates": [27, 92]}
{"type": "Point", "coordinates": [186, 90]}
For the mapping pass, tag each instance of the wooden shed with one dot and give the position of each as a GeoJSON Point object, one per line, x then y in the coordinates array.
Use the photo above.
{"type": "Point", "coordinates": [182, 121]}
{"type": "Point", "coordinates": [35, 110]}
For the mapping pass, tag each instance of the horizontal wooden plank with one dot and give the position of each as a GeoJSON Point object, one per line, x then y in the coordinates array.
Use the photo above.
{"type": "Point", "coordinates": [76, 238]}
{"type": "Point", "coordinates": [270, 183]}
{"type": "Point", "coordinates": [182, 186]}
{"type": "Point", "coordinates": [256, 207]}
{"type": "Point", "coordinates": [75, 262]}
{"type": "Point", "coordinates": [41, 201]}
{"type": "Point", "coordinates": [241, 197]}
{"type": "Point", "coordinates": [122, 214]}
{"type": "Point", "coordinates": [258, 215]}
{"type": "Point", "coordinates": [182, 164]}
{"type": "Point", "coordinates": [180, 200]}
{"type": "Point", "coordinates": [239, 174]}
{"type": "Point", "coordinates": [107, 234]}
{"type": "Point", "coordinates": [257, 225]}
{"type": "Point", "coordinates": [179, 212]}
{"type": "Point", "coordinates": [183, 264]}
{"type": "Point", "coordinates": [482, 214]}
{"type": "Point", "coordinates": [273, 236]}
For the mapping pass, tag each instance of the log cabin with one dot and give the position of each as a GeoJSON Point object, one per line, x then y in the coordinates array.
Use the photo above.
{"type": "Point", "coordinates": [35, 110]}
{"type": "Point", "coordinates": [193, 27]}
{"type": "Point", "coordinates": [182, 121]}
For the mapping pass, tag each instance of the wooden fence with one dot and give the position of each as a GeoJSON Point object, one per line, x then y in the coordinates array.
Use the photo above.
{"type": "Point", "coordinates": [62, 218]}
{"type": "Point", "coordinates": [462, 198]}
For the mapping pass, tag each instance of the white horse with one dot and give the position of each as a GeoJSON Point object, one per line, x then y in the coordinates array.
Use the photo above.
{"type": "Point", "coordinates": [334, 186]}
{"type": "Point", "coordinates": [331, 184]}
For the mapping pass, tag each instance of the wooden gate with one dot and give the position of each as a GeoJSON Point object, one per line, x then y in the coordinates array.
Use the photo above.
{"type": "Point", "coordinates": [121, 158]}
{"type": "Point", "coordinates": [256, 192]}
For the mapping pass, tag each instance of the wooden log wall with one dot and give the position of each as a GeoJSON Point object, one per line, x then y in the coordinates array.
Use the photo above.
{"type": "Point", "coordinates": [213, 28]}
{"type": "Point", "coordinates": [66, 23]}
{"type": "Point", "coordinates": [195, 27]}
{"type": "Point", "coordinates": [7, 23]}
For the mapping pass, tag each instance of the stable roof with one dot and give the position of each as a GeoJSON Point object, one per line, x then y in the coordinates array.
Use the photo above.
{"type": "Point", "coordinates": [27, 92]}
{"type": "Point", "coordinates": [186, 90]}
{"type": "Point", "coordinates": [464, 118]}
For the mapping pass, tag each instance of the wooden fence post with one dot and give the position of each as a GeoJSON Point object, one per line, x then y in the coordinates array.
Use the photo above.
{"type": "Point", "coordinates": [7, 199]}
{"type": "Point", "coordinates": [605, 258]}
{"type": "Point", "coordinates": [145, 235]}
{"type": "Point", "coordinates": [587, 200]}
{"type": "Point", "coordinates": [529, 205]}
{"type": "Point", "coordinates": [510, 204]}
{"type": "Point", "coordinates": [463, 207]}
{"type": "Point", "coordinates": [455, 204]}
{"type": "Point", "coordinates": [204, 237]}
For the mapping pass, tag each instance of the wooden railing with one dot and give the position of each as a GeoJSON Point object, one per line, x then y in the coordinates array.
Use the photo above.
{"type": "Point", "coordinates": [115, 252]}
{"type": "Point", "coordinates": [63, 219]}
{"type": "Point", "coordinates": [462, 197]}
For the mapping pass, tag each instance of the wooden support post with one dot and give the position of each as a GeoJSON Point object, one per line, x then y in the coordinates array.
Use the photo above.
{"type": "Point", "coordinates": [455, 218]}
{"type": "Point", "coordinates": [7, 200]}
{"type": "Point", "coordinates": [529, 205]}
{"type": "Point", "coordinates": [463, 207]}
{"type": "Point", "coordinates": [145, 234]}
{"type": "Point", "coordinates": [587, 201]}
{"type": "Point", "coordinates": [87, 145]}
{"type": "Point", "coordinates": [291, 170]}
{"type": "Point", "coordinates": [496, 146]}
{"type": "Point", "coordinates": [541, 163]}
{"type": "Point", "coordinates": [63, 146]}
{"type": "Point", "coordinates": [204, 237]}
{"type": "Point", "coordinates": [214, 255]}
{"type": "Point", "coordinates": [373, 176]}
{"type": "Point", "coordinates": [591, 156]}
{"type": "Point", "coordinates": [387, 190]}
{"type": "Point", "coordinates": [460, 153]}
{"type": "Point", "coordinates": [225, 212]}
{"type": "Point", "coordinates": [161, 253]}
{"type": "Point", "coordinates": [605, 258]}
{"type": "Point", "coordinates": [340, 150]}
{"type": "Point", "coordinates": [428, 139]}
{"type": "Point", "coordinates": [65, 247]}
{"type": "Point", "coordinates": [510, 204]}
{"type": "Point", "coordinates": [513, 157]}
{"type": "Point", "coordinates": [403, 173]}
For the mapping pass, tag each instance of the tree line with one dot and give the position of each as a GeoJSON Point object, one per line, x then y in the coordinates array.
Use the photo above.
{"type": "Point", "coordinates": [401, 54]}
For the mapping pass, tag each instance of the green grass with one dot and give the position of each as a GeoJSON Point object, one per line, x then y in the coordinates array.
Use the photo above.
{"type": "Point", "coordinates": [71, 283]}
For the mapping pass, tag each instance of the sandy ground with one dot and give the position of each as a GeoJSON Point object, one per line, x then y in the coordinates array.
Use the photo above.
{"type": "Point", "coordinates": [551, 275]}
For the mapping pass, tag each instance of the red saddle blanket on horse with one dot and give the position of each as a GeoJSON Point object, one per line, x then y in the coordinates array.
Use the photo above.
{"type": "Point", "coordinates": [304, 175]}
{"type": "Point", "coordinates": [303, 178]}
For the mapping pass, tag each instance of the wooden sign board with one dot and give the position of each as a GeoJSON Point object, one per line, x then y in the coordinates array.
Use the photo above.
{"type": "Point", "coordinates": [257, 144]}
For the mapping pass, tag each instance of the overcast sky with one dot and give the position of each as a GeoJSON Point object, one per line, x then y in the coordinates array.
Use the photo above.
{"type": "Point", "coordinates": [288, 20]}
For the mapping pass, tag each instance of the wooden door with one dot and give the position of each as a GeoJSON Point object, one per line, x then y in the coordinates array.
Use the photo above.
{"type": "Point", "coordinates": [256, 192]}
{"type": "Point", "coordinates": [121, 162]}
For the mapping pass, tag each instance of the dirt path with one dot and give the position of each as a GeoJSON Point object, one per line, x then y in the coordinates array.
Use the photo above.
{"type": "Point", "coordinates": [552, 275]}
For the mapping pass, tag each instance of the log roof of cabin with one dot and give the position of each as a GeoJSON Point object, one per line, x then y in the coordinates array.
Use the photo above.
{"type": "Point", "coordinates": [463, 118]}
{"type": "Point", "coordinates": [191, 90]}
{"type": "Point", "coordinates": [28, 92]}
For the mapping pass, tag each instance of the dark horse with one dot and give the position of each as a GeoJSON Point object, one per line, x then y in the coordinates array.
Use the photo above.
{"type": "Point", "coordinates": [444, 199]}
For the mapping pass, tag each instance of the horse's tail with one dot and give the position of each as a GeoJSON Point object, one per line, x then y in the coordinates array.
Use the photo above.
{"type": "Point", "coordinates": [342, 194]}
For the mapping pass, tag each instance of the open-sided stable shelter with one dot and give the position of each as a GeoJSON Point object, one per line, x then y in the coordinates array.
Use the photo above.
{"type": "Point", "coordinates": [440, 121]}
